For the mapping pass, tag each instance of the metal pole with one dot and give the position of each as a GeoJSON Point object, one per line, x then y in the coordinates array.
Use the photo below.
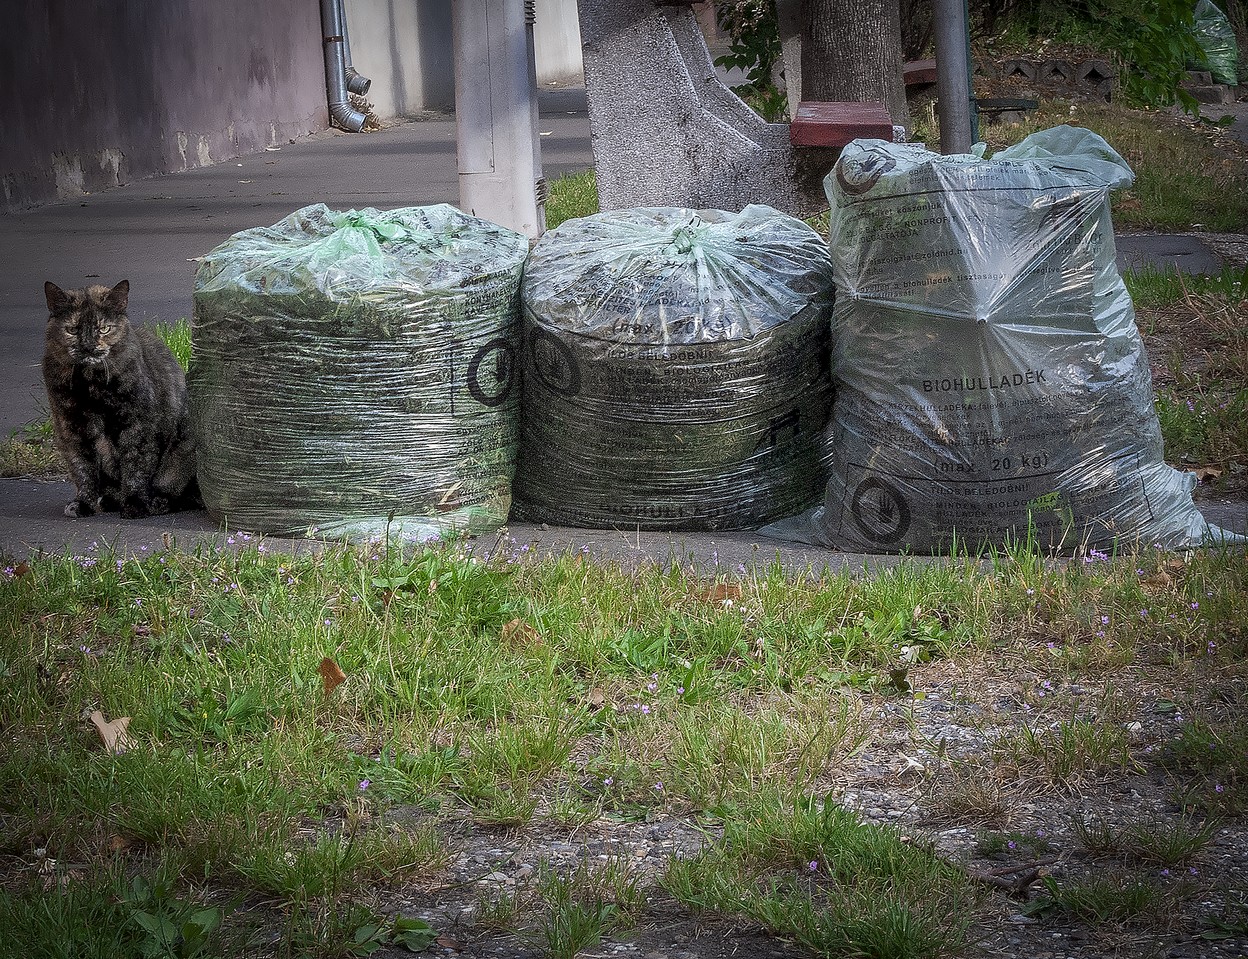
{"type": "Point", "coordinates": [953, 85]}
{"type": "Point", "coordinates": [500, 161]}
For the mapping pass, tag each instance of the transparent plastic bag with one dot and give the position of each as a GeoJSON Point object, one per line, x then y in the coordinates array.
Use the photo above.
{"type": "Point", "coordinates": [1216, 37]}
{"type": "Point", "coordinates": [991, 384]}
{"type": "Point", "coordinates": [353, 373]}
{"type": "Point", "coordinates": [676, 370]}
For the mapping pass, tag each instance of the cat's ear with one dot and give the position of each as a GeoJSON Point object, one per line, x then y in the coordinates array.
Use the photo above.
{"type": "Point", "coordinates": [118, 297]}
{"type": "Point", "coordinates": [58, 300]}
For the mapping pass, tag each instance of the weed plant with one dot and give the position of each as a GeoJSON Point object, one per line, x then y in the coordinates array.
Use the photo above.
{"type": "Point", "coordinates": [815, 872]}
{"type": "Point", "coordinates": [571, 196]}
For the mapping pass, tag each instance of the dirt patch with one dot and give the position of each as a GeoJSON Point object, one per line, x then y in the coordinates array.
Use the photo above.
{"type": "Point", "coordinates": [931, 769]}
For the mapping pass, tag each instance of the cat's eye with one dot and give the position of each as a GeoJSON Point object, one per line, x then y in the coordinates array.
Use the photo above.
{"type": "Point", "coordinates": [104, 328]}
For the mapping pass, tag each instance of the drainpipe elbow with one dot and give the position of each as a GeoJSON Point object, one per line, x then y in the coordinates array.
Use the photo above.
{"type": "Point", "coordinates": [357, 83]}
{"type": "Point", "coordinates": [347, 117]}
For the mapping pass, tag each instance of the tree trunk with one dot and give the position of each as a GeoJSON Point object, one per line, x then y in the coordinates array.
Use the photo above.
{"type": "Point", "coordinates": [851, 50]}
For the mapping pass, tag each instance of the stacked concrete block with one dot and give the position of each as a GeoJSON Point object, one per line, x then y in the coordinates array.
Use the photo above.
{"type": "Point", "coordinates": [1199, 83]}
{"type": "Point", "coordinates": [1087, 76]}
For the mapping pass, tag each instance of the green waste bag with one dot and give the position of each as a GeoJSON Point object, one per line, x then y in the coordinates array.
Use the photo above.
{"type": "Point", "coordinates": [353, 373]}
{"type": "Point", "coordinates": [1216, 38]}
{"type": "Point", "coordinates": [675, 370]}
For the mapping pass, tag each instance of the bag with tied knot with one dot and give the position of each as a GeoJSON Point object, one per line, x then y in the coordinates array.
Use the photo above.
{"type": "Point", "coordinates": [675, 370]}
{"type": "Point", "coordinates": [354, 373]}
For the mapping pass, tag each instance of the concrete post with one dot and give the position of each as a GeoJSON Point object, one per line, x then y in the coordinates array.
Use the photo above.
{"type": "Point", "coordinates": [953, 75]}
{"type": "Point", "coordinates": [789, 21]}
{"type": "Point", "coordinates": [500, 161]}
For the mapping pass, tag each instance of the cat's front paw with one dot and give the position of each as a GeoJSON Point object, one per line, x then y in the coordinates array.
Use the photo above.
{"type": "Point", "coordinates": [80, 507]}
{"type": "Point", "coordinates": [158, 506]}
{"type": "Point", "coordinates": [134, 508]}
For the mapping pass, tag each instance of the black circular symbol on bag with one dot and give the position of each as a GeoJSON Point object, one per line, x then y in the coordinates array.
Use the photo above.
{"type": "Point", "coordinates": [491, 372]}
{"type": "Point", "coordinates": [880, 512]}
{"type": "Point", "coordinates": [554, 363]}
{"type": "Point", "coordinates": [857, 177]}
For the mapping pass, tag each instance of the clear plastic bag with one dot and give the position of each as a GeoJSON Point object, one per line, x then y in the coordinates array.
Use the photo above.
{"type": "Point", "coordinates": [1216, 37]}
{"type": "Point", "coordinates": [990, 380]}
{"type": "Point", "coordinates": [354, 373]}
{"type": "Point", "coordinates": [676, 370]}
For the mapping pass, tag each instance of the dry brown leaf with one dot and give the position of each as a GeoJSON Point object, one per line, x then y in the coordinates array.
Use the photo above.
{"type": "Point", "coordinates": [446, 942]}
{"type": "Point", "coordinates": [21, 569]}
{"type": "Point", "coordinates": [118, 843]}
{"type": "Point", "coordinates": [1159, 580]}
{"type": "Point", "coordinates": [720, 593]}
{"type": "Point", "coordinates": [1206, 473]}
{"type": "Point", "coordinates": [113, 734]}
{"type": "Point", "coordinates": [596, 699]}
{"type": "Point", "coordinates": [519, 633]}
{"type": "Point", "coordinates": [331, 674]}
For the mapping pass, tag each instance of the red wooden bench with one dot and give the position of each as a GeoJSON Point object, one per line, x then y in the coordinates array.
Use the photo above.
{"type": "Point", "coordinates": [919, 73]}
{"type": "Point", "coordinates": [834, 124]}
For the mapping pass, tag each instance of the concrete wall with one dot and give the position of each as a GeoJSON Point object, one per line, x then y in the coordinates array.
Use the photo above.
{"type": "Point", "coordinates": [404, 47]}
{"type": "Point", "coordinates": [97, 94]}
{"type": "Point", "coordinates": [557, 42]}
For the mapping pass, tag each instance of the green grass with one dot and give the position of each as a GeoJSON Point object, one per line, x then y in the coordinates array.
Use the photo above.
{"type": "Point", "coordinates": [28, 451]}
{"type": "Point", "coordinates": [1065, 755]}
{"type": "Point", "coordinates": [177, 337]}
{"type": "Point", "coordinates": [1160, 842]}
{"type": "Point", "coordinates": [1183, 179]}
{"type": "Point", "coordinates": [571, 196]}
{"type": "Point", "coordinates": [636, 695]}
{"type": "Point", "coordinates": [1196, 329]}
{"type": "Point", "coordinates": [1151, 288]}
{"type": "Point", "coordinates": [579, 908]}
{"type": "Point", "coordinates": [1113, 898]}
{"type": "Point", "coordinates": [815, 872]}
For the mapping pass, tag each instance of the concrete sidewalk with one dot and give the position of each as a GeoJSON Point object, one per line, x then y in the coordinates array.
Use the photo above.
{"type": "Point", "coordinates": [150, 232]}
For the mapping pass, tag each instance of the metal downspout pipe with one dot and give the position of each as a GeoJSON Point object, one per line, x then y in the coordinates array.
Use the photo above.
{"type": "Point", "coordinates": [340, 109]}
{"type": "Point", "coordinates": [357, 83]}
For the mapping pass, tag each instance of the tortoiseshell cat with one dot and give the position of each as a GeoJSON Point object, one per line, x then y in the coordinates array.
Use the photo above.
{"type": "Point", "coordinates": [117, 396]}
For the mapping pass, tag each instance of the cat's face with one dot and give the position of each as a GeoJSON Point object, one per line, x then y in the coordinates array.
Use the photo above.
{"type": "Point", "coordinates": [88, 323]}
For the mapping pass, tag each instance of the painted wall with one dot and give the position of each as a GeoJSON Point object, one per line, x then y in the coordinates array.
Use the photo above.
{"type": "Point", "coordinates": [405, 48]}
{"type": "Point", "coordinates": [557, 42]}
{"type": "Point", "coordinates": [97, 94]}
